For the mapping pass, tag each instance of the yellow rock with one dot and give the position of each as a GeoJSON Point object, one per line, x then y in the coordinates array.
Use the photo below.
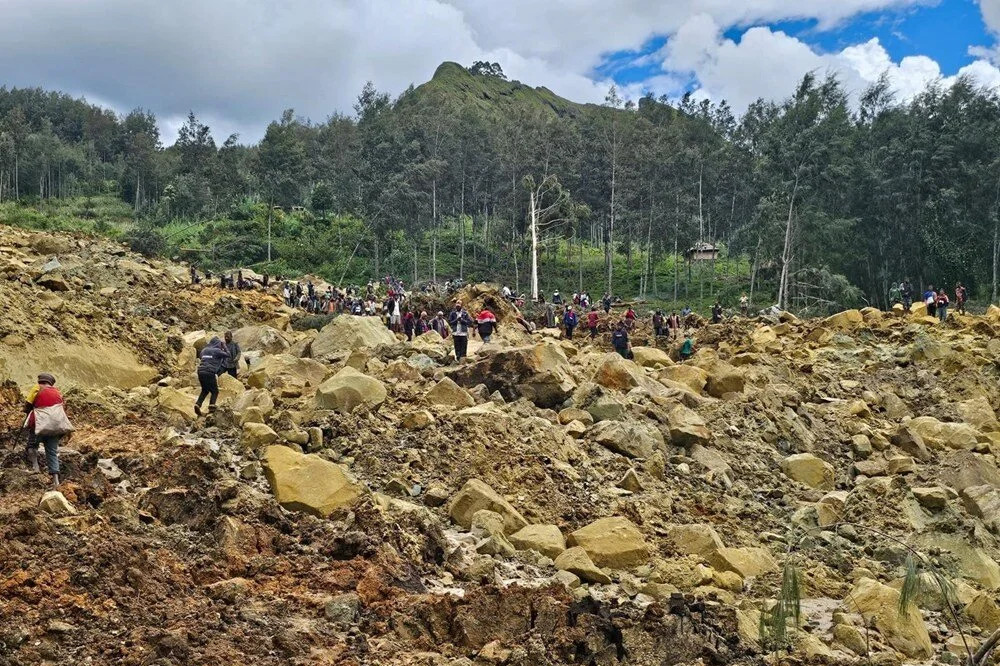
{"type": "Point", "coordinates": [545, 539]}
{"type": "Point", "coordinates": [349, 389]}
{"type": "Point", "coordinates": [612, 542]}
{"type": "Point", "coordinates": [809, 470]}
{"type": "Point", "coordinates": [691, 376]}
{"type": "Point", "coordinates": [747, 562]}
{"type": "Point", "coordinates": [475, 496]}
{"type": "Point", "coordinates": [308, 483]}
{"type": "Point", "coordinates": [844, 320]}
{"type": "Point", "coordinates": [446, 393]}
{"type": "Point", "coordinates": [905, 632]}
{"type": "Point", "coordinates": [576, 561]}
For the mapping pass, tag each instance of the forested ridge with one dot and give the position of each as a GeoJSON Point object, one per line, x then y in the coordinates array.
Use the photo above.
{"type": "Point", "coordinates": [818, 201]}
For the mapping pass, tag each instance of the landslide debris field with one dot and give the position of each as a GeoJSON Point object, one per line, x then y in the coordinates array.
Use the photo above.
{"type": "Point", "coordinates": [361, 500]}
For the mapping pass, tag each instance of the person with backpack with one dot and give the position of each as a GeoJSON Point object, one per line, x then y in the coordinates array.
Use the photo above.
{"type": "Point", "coordinates": [619, 340]}
{"type": "Point", "coordinates": [906, 291]}
{"type": "Point", "coordinates": [659, 324]}
{"type": "Point", "coordinates": [486, 324]}
{"type": "Point", "coordinates": [630, 317]}
{"type": "Point", "coordinates": [570, 321]}
{"type": "Point", "coordinates": [930, 300]}
{"type": "Point", "coordinates": [46, 423]}
{"type": "Point", "coordinates": [460, 321]}
{"type": "Point", "coordinates": [592, 319]}
{"type": "Point", "coordinates": [212, 363]}
{"type": "Point", "coordinates": [674, 325]}
{"type": "Point", "coordinates": [942, 305]}
{"type": "Point", "coordinates": [961, 295]}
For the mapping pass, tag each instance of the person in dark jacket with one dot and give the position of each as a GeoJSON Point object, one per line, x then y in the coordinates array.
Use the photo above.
{"type": "Point", "coordinates": [486, 324]}
{"type": "Point", "coordinates": [460, 321]}
{"type": "Point", "coordinates": [409, 323]}
{"type": "Point", "coordinates": [212, 363]}
{"type": "Point", "coordinates": [619, 340]}
{"type": "Point", "coordinates": [570, 321]}
{"type": "Point", "coordinates": [233, 347]}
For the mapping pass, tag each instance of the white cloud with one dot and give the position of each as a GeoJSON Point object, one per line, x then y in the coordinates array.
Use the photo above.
{"type": "Point", "coordinates": [766, 63]}
{"type": "Point", "coordinates": [239, 63]}
{"type": "Point", "coordinates": [991, 14]}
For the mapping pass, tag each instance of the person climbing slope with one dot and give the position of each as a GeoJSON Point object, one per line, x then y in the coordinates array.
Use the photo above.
{"type": "Point", "coordinates": [233, 361]}
{"type": "Point", "coordinates": [212, 363]}
{"type": "Point", "coordinates": [47, 424]}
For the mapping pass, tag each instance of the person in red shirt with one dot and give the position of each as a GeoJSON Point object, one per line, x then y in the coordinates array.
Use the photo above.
{"type": "Point", "coordinates": [44, 395]}
{"type": "Point", "coordinates": [592, 322]}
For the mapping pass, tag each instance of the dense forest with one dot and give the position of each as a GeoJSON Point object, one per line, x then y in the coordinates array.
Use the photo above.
{"type": "Point", "coordinates": [817, 201]}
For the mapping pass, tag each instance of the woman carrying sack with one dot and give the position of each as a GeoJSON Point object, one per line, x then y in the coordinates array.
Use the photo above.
{"type": "Point", "coordinates": [48, 422]}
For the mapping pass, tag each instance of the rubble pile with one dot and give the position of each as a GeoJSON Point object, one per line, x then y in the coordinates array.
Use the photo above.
{"type": "Point", "coordinates": [359, 499]}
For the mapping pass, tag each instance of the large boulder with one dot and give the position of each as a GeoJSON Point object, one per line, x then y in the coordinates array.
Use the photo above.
{"type": "Point", "coordinates": [629, 438]}
{"type": "Point", "coordinates": [446, 393]}
{"type": "Point", "coordinates": [724, 378]}
{"type": "Point", "coordinates": [650, 357]}
{"type": "Point", "coordinates": [688, 375]}
{"type": "Point", "coordinates": [545, 539]}
{"type": "Point", "coordinates": [809, 470]}
{"type": "Point", "coordinates": [844, 320]}
{"type": "Point", "coordinates": [963, 469]}
{"type": "Point", "coordinates": [349, 389]}
{"type": "Point", "coordinates": [617, 373]}
{"type": "Point", "coordinates": [972, 561]}
{"type": "Point", "coordinates": [261, 338]}
{"type": "Point", "coordinates": [694, 539]}
{"type": "Point", "coordinates": [983, 502]}
{"type": "Point", "coordinates": [612, 542]}
{"type": "Point", "coordinates": [177, 404]}
{"type": "Point", "coordinates": [309, 483]}
{"type": "Point", "coordinates": [540, 373]}
{"type": "Point", "coordinates": [938, 435]}
{"type": "Point", "coordinates": [577, 561]}
{"type": "Point", "coordinates": [979, 414]}
{"type": "Point", "coordinates": [256, 436]}
{"type": "Point", "coordinates": [747, 562]}
{"type": "Point", "coordinates": [475, 496]}
{"type": "Point", "coordinates": [904, 631]}
{"type": "Point", "coordinates": [348, 332]}
{"type": "Point", "coordinates": [258, 398]}
{"type": "Point", "coordinates": [285, 370]}
{"type": "Point", "coordinates": [687, 427]}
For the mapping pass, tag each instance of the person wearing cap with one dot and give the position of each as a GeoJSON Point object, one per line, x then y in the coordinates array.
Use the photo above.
{"type": "Point", "coordinates": [570, 321]}
{"type": "Point", "coordinates": [45, 394]}
{"type": "Point", "coordinates": [486, 324]}
{"type": "Point", "coordinates": [460, 321]}
{"type": "Point", "coordinates": [440, 324]}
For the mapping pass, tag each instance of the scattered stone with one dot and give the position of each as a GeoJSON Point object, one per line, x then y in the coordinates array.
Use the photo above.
{"type": "Point", "coordinates": [475, 496]}
{"type": "Point", "coordinates": [933, 498]}
{"type": "Point", "coordinates": [633, 439]}
{"type": "Point", "coordinates": [809, 470]}
{"type": "Point", "coordinates": [630, 481]}
{"type": "Point", "coordinates": [446, 393]}
{"type": "Point", "coordinates": [55, 503]}
{"type": "Point", "coordinates": [343, 608]}
{"type": "Point", "coordinates": [694, 539]}
{"type": "Point", "coordinates": [576, 561]}
{"type": "Point", "coordinates": [256, 436]}
{"type": "Point", "coordinates": [545, 539]}
{"type": "Point", "coordinates": [904, 631]}
{"type": "Point", "coordinates": [349, 389]}
{"type": "Point", "coordinates": [612, 542]}
{"type": "Point", "coordinates": [417, 420]}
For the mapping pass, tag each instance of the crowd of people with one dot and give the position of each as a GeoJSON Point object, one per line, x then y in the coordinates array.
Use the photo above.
{"type": "Point", "coordinates": [936, 301]}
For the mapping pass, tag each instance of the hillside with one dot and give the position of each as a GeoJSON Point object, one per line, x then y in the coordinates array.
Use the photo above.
{"type": "Point", "coordinates": [361, 499]}
{"type": "Point", "coordinates": [491, 94]}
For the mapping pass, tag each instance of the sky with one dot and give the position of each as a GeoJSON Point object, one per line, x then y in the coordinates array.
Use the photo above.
{"type": "Point", "coordinates": [238, 63]}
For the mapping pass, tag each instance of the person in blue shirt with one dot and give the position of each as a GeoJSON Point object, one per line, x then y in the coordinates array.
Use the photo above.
{"type": "Point", "coordinates": [570, 321]}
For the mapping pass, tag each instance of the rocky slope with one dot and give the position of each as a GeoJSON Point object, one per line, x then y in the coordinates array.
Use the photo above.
{"type": "Point", "coordinates": [360, 500]}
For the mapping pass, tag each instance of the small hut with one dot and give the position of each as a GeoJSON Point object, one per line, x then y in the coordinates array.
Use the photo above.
{"type": "Point", "coordinates": [702, 251]}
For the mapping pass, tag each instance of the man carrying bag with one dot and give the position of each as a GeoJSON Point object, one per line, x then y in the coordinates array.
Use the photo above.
{"type": "Point", "coordinates": [48, 422]}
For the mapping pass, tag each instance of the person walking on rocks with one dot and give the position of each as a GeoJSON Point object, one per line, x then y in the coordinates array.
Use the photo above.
{"type": "Point", "coordinates": [659, 324]}
{"type": "Point", "coordinates": [212, 363]}
{"type": "Point", "coordinates": [717, 312]}
{"type": "Point", "coordinates": [687, 349]}
{"type": "Point", "coordinates": [606, 303]}
{"type": "Point", "coordinates": [961, 295]}
{"type": "Point", "coordinates": [895, 294]}
{"type": "Point", "coordinates": [619, 340]}
{"type": "Point", "coordinates": [233, 347]}
{"type": "Point", "coordinates": [460, 321]}
{"type": "Point", "coordinates": [930, 300]}
{"type": "Point", "coordinates": [592, 318]}
{"type": "Point", "coordinates": [744, 305]}
{"type": "Point", "coordinates": [550, 315]}
{"type": "Point", "coordinates": [942, 305]}
{"type": "Point", "coordinates": [570, 321]}
{"type": "Point", "coordinates": [422, 325]}
{"type": "Point", "coordinates": [47, 424]}
{"type": "Point", "coordinates": [674, 325]}
{"type": "Point", "coordinates": [486, 324]}
{"type": "Point", "coordinates": [409, 323]}
{"type": "Point", "coordinates": [906, 290]}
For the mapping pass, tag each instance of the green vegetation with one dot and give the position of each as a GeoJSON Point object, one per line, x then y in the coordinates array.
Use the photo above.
{"type": "Point", "coordinates": [818, 202]}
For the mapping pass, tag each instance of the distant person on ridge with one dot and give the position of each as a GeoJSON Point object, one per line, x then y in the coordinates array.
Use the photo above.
{"type": "Point", "coordinates": [659, 324]}
{"type": "Point", "coordinates": [422, 325]}
{"type": "Point", "coordinates": [606, 302]}
{"type": "Point", "coordinates": [440, 324]}
{"type": "Point", "coordinates": [233, 347]}
{"type": "Point", "coordinates": [717, 312]}
{"type": "Point", "coordinates": [47, 424]}
{"type": "Point", "coordinates": [213, 359]}
{"type": "Point", "coordinates": [550, 315]}
{"type": "Point", "coordinates": [895, 294]}
{"type": "Point", "coordinates": [961, 295]}
{"type": "Point", "coordinates": [630, 317]}
{"type": "Point", "coordinates": [942, 305]}
{"type": "Point", "coordinates": [930, 300]}
{"type": "Point", "coordinates": [744, 305]}
{"type": "Point", "coordinates": [592, 319]}
{"type": "Point", "coordinates": [570, 321]}
{"type": "Point", "coordinates": [906, 290]}
{"type": "Point", "coordinates": [409, 323]}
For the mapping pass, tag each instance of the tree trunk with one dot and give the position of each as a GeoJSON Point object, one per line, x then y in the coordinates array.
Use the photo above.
{"type": "Point", "coordinates": [533, 217]}
{"type": "Point", "coordinates": [786, 253]}
{"type": "Point", "coordinates": [461, 221]}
